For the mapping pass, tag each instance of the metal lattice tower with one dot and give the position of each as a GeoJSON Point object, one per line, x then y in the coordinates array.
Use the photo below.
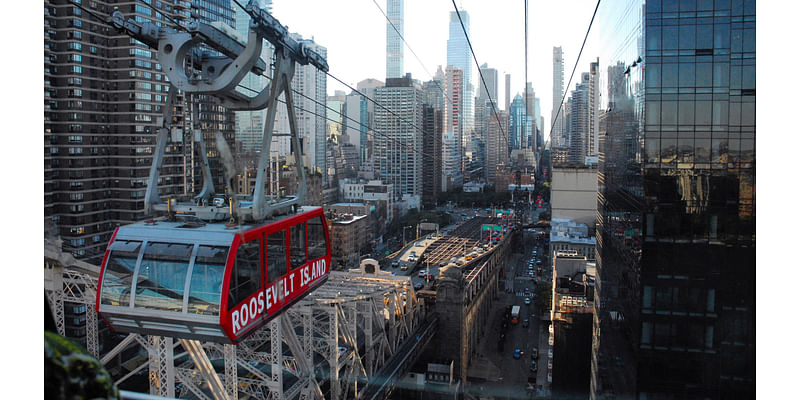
{"type": "Point", "coordinates": [329, 345]}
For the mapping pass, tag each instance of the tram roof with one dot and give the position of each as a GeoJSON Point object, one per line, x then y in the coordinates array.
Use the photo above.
{"type": "Point", "coordinates": [191, 231]}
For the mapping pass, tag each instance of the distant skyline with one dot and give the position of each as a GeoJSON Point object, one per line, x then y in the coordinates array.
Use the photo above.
{"type": "Point", "coordinates": [354, 32]}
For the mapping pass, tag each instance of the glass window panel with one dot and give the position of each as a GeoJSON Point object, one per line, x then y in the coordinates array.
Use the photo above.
{"type": "Point", "coordinates": [749, 77]}
{"type": "Point", "coordinates": [705, 36]}
{"type": "Point", "coordinates": [702, 112]}
{"type": "Point", "coordinates": [720, 112]}
{"type": "Point", "coordinates": [702, 147]}
{"type": "Point", "coordinates": [653, 38]}
{"type": "Point", "coordinates": [748, 149]}
{"type": "Point", "coordinates": [246, 274]}
{"type": "Point", "coordinates": [669, 38]}
{"type": "Point", "coordinates": [722, 34]}
{"type": "Point", "coordinates": [651, 150]}
{"type": "Point", "coordinates": [688, 5]}
{"type": "Point", "coordinates": [669, 6]}
{"type": "Point", "coordinates": [317, 245]}
{"type": "Point", "coordinates": [722, 4]}
{"type": "Point", "coordinates": [686, 71]}
{"type": "Point", "coordinates": [719, 149]}
{"type": "Point", "coordinates": [653, 75]}
{"type": "Point", "coordinates": [685, 150]}
{"type": "Point", "coordinates": [748, 113]}
{"type": "Point", "coordinates": [118, 275]}
{"type": "Point", "coordinates": [669, 112]}
{"type": "Point", "coordinates": [297, 243]}
{"type": "Point", "coordinates": [661, 335]}
{"type": "Point", "coordinates": [208, 273]}
{"type": "Point", "coordinates": [647, 332]}
{"type": "Point", "coordinates": [734, 144]}
{"type": "Point", "coordinates": [686, 112]}
{"type": "Point", "coordinates": [736, 77]}
{"type": "Point", "coordinates": [687, 36]}
{"type": "Point", "coordinates": [669, 148]}
{"type": "Point", "coordinates": [276, 256]}
{"type": "Point", "coordinates": [705, 5]}
{"type": "Point", "coordinates": [162, 276]}
{"type": "Point", "coordinates": [749, 7]}
{"type": "Point", "coordinates": [653, 113]}
{"type": "Point", "coordinates": [721, 73]}
{"type": "Point", "coordinates": [703, 74]}
{"type": "Point", "coordinates": [654, 6]}
{"type": "Point", "coordinates": [670, 75]}
{"type": "Point", "coordinates": [749, 41]}
{"type": "Point", "coordinates": [735, 115]}
{"type": "Point", "coordinates": [736, 40]}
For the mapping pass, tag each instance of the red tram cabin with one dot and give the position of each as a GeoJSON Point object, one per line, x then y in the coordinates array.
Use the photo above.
{"type": "Point", "coordinates": [210, 281]}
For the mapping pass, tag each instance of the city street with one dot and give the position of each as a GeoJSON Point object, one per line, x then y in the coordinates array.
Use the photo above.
{"type": "Point", "coordinates": [516, 373]}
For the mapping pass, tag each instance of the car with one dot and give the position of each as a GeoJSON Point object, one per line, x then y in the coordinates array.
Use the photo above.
{"type": "Point", "coordinates": [534, 353]}
{"type": "Point", "coordinates": [404, 267]}
{"type": "Point", "coordinates": [533, 366]}
{"type": "Point", "coordinates": [418, 285]}
{"type": "Point", "coordinates": [527, 300]}
{"type": "Point", "coordinates": [517, 353]}
{"type": "Point", "coordinates": [395, 264]}
{"type": "Point", "coordinates": [525, 323]}
{"type": "Point", "coordinates": [422, 273]}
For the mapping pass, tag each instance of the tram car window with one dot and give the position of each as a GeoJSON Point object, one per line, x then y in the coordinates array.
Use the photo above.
{"type": "Point", "coordinates": [119, 272]}
{"type": "Point", "coordinates": [246, 277]}
{"type": "Point", "coordinates": [276, 255]}
{"type": "Point", "coordinates": [207, 275]}
{"type": "Point", "coordinates": [317, 246]}
{"type": "Point", "coordinates": [162, 276]}
{"type": "Point", "coordinates": [297, 245]}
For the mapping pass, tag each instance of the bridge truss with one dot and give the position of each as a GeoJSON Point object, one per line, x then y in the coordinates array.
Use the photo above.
{"type": "Point", "coordinates": [329, 345]}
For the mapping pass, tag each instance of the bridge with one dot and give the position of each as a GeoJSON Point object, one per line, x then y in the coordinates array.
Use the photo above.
{"type": "Point", "coordinates": [354, 337]}
{"type": "Point", "coordinates": [348, 339]}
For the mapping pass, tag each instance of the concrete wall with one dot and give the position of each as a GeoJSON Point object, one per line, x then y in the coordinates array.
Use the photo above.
{"type": "Point", "coordinates": [574, 194]}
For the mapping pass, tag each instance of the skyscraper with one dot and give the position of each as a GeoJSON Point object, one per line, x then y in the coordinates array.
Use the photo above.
{"type": "Point", "coordinates": [516, 122]}
{"type": "Point", "coordinates": [311, 128]}
{"type": "Point", "coordinates": [398, 150]}
{"type": "Point", "coordinates": [578, 121]}
{"type": "Point", "coordinates": [432, 158]}
{"type": "Point", "coordinates": [452, 168]}
{"type": "Point", "coordinates": [490, 75]}
{"type": "Point", "coordinates": [394, 41]}
{"type": "Point", "coordinates": [103, 97]}
{"type": "Point", "coordinates": [459, 56]}
{"type": "Point", "coordinates": [530, 110]}
{"type": "Point", "coordinates": [368, 87]}
{"type": "Point", "coordinates": [496, 146]}
{"type": "Point", "coordinates": [675, 299]}
{"type": "Point", "coordinates": [556, 136]}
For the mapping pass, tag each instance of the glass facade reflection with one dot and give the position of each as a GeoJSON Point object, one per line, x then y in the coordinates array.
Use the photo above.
{"type": "Point", "coordinates": [676, 201]}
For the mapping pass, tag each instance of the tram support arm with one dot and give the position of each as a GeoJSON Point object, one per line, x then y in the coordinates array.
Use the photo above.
{"type": "Point", "coordinates": [151, 196]}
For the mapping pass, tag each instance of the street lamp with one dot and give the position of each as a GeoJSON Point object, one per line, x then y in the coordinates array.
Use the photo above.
{"type": "Point", "coordinates": [404, 234]}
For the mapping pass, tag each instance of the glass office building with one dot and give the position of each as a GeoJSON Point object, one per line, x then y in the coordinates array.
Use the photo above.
{"type": "Point", "coordinates": [675, 315]}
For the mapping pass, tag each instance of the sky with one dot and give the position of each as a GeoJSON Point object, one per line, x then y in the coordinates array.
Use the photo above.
{"type": "Point", "coordinates": [354, 32]}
